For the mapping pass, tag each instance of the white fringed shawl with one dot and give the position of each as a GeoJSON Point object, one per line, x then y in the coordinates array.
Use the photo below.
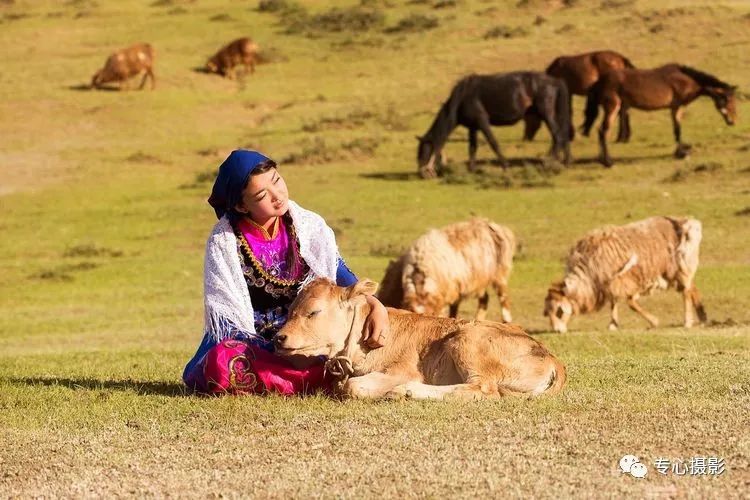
{"type": "Point", "coordinates": [226, 297]}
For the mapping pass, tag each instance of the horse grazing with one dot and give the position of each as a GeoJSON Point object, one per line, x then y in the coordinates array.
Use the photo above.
{"type": "Point", "coordinates": [479, 101]}
{"type": "Point", "coordinates": [670, 86]}
{"type": "Point", "coordinates": [580, 72]}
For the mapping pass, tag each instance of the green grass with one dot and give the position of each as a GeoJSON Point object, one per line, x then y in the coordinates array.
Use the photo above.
{"type": "Point", "coordinates": [104, 221]}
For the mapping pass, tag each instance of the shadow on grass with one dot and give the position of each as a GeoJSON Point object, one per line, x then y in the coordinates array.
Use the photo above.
{"type": "Point", "coordinates": [84, 87]}
{"type": "Point", "coordinates": [539, 331]}
{"type": "Point", "coordinates": [541, 161]}
{"type": "Point", "coordinates": [511, 162]}
{"type": "Point", "coordinates": [172, 389]}
{"type": "Point", "coordinates": [624, 160]}
{"type": "Point", "coordinates": [392, 176]}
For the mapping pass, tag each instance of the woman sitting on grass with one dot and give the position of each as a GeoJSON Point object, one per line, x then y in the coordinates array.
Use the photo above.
{"type": "Point", "coordinates": [262, 251]}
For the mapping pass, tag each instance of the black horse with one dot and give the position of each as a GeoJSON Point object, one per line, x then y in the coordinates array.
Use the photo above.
{"type": "Point", "coordinates": [479, 101]}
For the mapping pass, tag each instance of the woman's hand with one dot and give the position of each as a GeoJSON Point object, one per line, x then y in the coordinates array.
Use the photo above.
{"type": "Point", "coordinates": [377, 325]}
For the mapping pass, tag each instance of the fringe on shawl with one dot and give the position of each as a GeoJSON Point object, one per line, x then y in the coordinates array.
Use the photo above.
{"type": "Point", "coordinates": [317, 243]}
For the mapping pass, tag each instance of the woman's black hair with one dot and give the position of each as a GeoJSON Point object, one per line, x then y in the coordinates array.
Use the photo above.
{"type": "Point", "coordinates": [261, 168]}
{"type": "Point", "coordinates": [293, 258]}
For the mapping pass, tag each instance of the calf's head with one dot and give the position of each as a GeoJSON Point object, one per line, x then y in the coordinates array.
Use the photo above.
{"type": "Point", "coordinates": [558, 307]}
{"type": "Point", "coordinates": [212, 65]}
{"type": "Point", "coordinates": [321, 319]}
{"type": "Point", "coordinates": [97, 79]}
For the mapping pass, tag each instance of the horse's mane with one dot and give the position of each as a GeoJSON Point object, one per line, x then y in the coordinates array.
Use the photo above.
{"type": "Point", "coordinates": [447, 117]}
{"type": "Point", "coordinates": [627, 62]}
{"type": "Point", "coordinates": [704, 79]}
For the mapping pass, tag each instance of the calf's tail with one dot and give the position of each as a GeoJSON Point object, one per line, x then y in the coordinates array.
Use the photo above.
{"type": "Point", "coordinates": [558, 377]}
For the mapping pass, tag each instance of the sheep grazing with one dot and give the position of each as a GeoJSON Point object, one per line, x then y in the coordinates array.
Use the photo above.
{"type": "Point", "coordinates": [445, 266]}
{"type": "Point", "coordinates": [391, 290]}
{"type": "Point", "coordinates": [625, 262]}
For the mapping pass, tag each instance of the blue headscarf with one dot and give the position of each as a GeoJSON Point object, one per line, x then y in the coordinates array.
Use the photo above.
{"type": "Point", "coordinates": [232, 179]}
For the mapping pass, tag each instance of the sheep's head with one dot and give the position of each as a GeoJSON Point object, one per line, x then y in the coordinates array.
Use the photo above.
{"type": "Point", "coordinates": [422, 294]}
{"type": "Point", "coordinates": [558, 307]}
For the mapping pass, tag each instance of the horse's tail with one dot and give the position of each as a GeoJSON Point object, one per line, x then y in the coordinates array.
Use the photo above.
{"type": "Point", "coordinates": [592, 105]}
{"type": "Point", "coordinates": [627, 62]}
{"type": "Point", "coordinates": [563, 114]}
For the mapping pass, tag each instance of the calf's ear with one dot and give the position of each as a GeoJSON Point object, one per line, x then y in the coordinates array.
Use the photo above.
{"type": "Point", "coordinates": [362, 287]}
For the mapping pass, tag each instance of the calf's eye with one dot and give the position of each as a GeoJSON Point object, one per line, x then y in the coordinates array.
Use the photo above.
{"type": "Point", "coordinates": [312, 313]}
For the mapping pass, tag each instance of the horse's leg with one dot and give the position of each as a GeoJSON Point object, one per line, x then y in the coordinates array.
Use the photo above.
{"type": "Point", "coordinates": [623, 132]}
{"type": "Point", "coordinates": [484, 124]}
{"type": "Point", "coordinates": [553, 131]}
{"type": "Point", "coordinates": [676, 119]}
{"type": "Point", "coordinates": [472, 149]}
{"type": "Point", "coordinates": [627, 126]}
{"type": "Point", "coordinates": [611, 106]}
{"type": "Point", "coordinates": [558, 137]}
{"type": "Point", "coordinates": [682, 149]}
{"type": "Point", "coordinates": [532, 122]}
{"type": "Point", "coordinates": [572, 134]}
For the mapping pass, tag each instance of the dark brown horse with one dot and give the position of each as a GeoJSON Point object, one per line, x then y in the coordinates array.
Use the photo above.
{"type": "Point", "coordinates": [671, 86]}
{"type": "Point", "coordinates": [579, 73]}
{"type": "Point", "coordinates": [479, 101]}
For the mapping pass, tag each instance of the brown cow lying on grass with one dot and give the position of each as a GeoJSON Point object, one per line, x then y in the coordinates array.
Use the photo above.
{"type": "Point", "coordinates": [446, 265]}
{"type": "Point", "coordinates": [125, 64]}
{"type": "Point", "coordinates": [242, 51]}
{"type": "Point", "coordinates": [424, 357]}
{"type": "Point", "coordinates": [624, 262]}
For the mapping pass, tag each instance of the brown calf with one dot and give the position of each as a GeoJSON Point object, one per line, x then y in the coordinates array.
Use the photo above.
{"type": "Point", "coordinates": [125, 64]}
{"type": "Point", "coordinates": [424, 357]}
{"type": "Point", "coordinates": [241, 51]}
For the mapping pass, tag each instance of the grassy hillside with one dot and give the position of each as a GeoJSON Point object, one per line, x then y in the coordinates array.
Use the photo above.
{"type": "Point", "coordinates": [104, 220]}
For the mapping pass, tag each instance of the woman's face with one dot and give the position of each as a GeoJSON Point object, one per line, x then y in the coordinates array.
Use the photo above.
{"type": "Point", "coordinates": [264, 197]}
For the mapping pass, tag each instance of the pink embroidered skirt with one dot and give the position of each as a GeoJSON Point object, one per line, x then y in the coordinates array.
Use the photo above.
{"type": "Point", "coordinates": [238, 367]}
